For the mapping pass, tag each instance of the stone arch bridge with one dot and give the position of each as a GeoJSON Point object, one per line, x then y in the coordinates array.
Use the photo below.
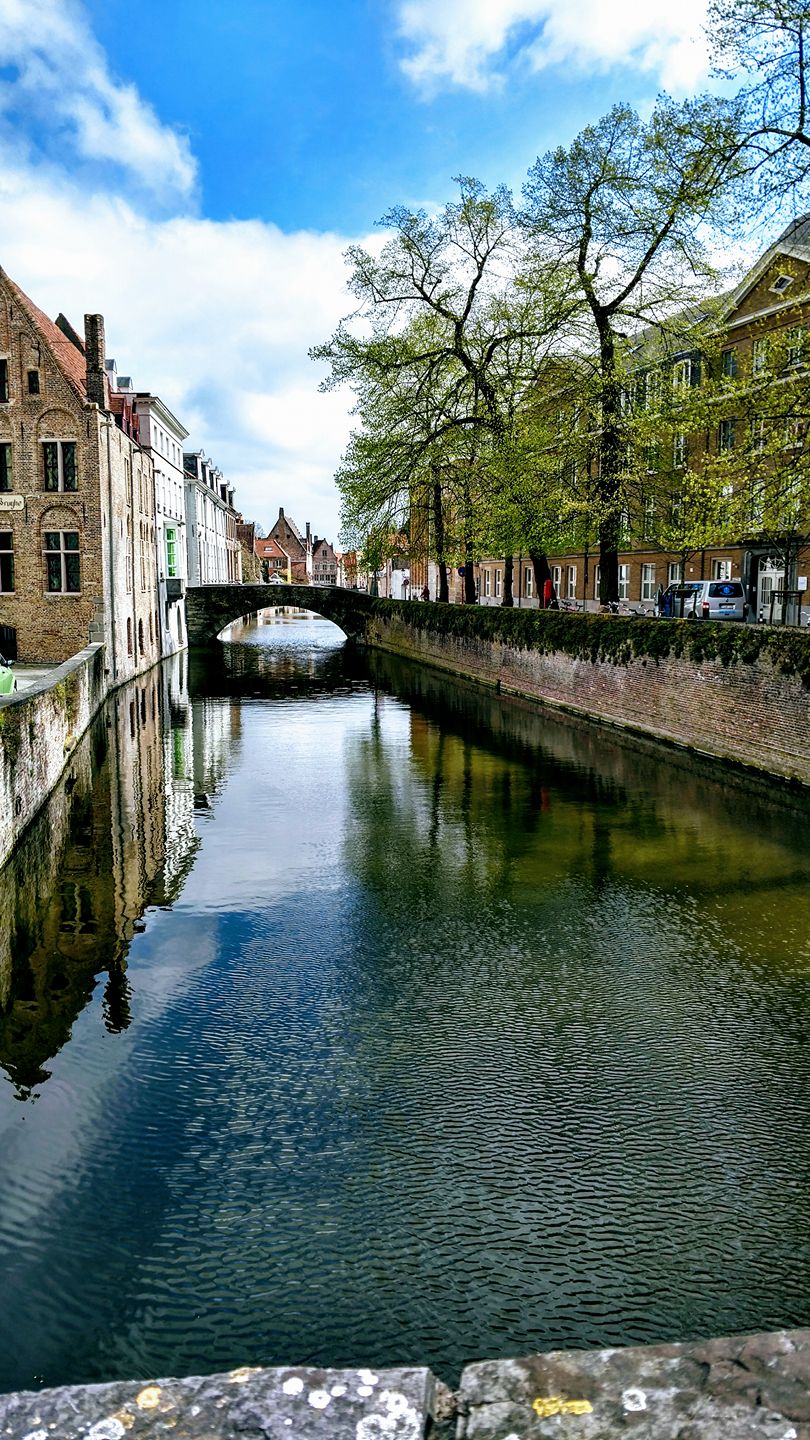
{"type": "Point", "coordinates": [209, 608]}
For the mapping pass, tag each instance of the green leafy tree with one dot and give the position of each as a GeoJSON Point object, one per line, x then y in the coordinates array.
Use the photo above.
{"type": "Point", "coordinates": [623, 208]}
{"type": "Point", "coordinates": [452, 329]}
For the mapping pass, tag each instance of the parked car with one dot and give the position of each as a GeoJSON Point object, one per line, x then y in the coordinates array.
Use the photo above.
{"type": "Point", "coordinates": [8, 683]}
{"type": "Point", "coordinates": [704, 600]}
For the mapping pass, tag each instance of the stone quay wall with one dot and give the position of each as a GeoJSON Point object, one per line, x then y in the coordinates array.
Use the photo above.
{"type": "Point", "coordinates": [738, 694]}
{"type": "Point", "coordinates": [754, 1387]}
{"type": "Point", "coordinates": [39, 730]}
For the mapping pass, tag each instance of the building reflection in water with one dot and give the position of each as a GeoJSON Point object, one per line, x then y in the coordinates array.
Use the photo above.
{"type": "Point", "coordinates": [116, 837]}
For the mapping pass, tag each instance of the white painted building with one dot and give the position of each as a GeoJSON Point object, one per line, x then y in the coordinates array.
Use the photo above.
{"type": "Point", "coordinates": [161, 435]}
{"type": "Point", "coordinates": [214, 552]}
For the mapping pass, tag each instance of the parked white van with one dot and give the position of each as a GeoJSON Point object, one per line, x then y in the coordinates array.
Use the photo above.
{"type": "Point", "coordinates": [705, 600]}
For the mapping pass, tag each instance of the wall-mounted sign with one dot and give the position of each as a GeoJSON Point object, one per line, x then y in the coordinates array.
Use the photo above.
{"type": "Point", "coordinates": [801, 583]}
{"type": "Point", "coordinates": [12, 502]}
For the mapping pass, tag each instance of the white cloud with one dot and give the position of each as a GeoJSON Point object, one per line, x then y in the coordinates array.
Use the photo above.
{"type": "Point", "coordinates": [61, 88]}
{"type": "Point", "coordinates": [216, 318]}
{"type": "Point", "coordinates": [474, 43]}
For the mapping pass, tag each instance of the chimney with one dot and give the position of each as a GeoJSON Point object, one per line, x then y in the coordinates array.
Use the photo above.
{"type": "Point", "coordinates": [309, 534]}
{"type": "Point", "coordinates": [96, 379]}
{"type": "Point", "coordinates": [281, 512]}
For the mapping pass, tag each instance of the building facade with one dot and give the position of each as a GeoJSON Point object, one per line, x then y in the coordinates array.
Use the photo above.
{"type": "Point", "coordinates": [214, 552]}
{"type": "Point", "coordinates": [161, 435]}
{"type": "Point", "coordinates": [77, 509]}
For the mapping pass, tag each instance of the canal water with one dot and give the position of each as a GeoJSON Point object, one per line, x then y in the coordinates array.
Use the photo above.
{"type": "Point", "coordinates": [352, 1015]}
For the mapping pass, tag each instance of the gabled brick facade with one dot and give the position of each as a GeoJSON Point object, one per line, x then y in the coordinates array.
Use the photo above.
{"type": "Point", "coordinates": [77, 541]}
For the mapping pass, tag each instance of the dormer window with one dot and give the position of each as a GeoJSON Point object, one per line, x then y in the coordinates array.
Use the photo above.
{"type": "Point", "coordinates": [781, 284]}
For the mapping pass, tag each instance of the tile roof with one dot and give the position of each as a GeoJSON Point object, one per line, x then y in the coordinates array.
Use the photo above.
{"type": "Point", "coordinates": [69, 359]}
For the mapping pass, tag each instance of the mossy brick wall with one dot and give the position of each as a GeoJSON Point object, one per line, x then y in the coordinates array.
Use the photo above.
{"type": "Point", "coordinates": [741, 693]}
{"type": "Point", "coordinates": [39, 730]}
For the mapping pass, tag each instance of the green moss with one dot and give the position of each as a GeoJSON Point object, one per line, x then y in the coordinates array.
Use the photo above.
{"type": "Point", "coordinates": [613, 638]}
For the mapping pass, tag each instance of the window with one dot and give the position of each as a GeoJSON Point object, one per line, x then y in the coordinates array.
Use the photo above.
{"type": "Point", "coordinates": [794, 346]}
{"type": "Point", "coordinates": [781, 284]}
{"type": "Point", "coordinates": [759, 356]}
{"type": "Point", "coordinates": [682, 375]}
{"type": "Point", "coordinates": [529, 584]}
{"type": "Point", "coordinates": [33, 382]}
{"type": "Point", "coordinates": [728, 364]}
{"type": "Point", "coordinates": [791, 433]}
{"type": "Point", "coordinates": [648, 518]}
{"type": "Point", "coordinates": [726, 435]}
{"type": "Point", "coordinates": [3, 382]}
{"type": "Point", "coordinates": [556, 577]}
{"type": "Point", "coordinates": [497, 583]}
{"type": "Point", "coordinates": [680, 450]}
{"type": "Point", "coordinates": [674, 572]}
{"type": "Point", "coordinates": [571, 582]}
{"type": "Point", "coordinates": [721, 569]}
{"type": "Point", "coordinates": [648, 582]}
{"type": "Point", "coordinates": [6, 476]}
{"type": "Point", "coordinates": [597, 575]}
{"type": "Point", "coordinates": [6, 562]}
{"type": "Point", "coordinates": [171, 553]}
{"type": "Point", "coordinates": [62, 561]}
{"type": "Point", "coordinates": [60, 464]}
{"type": "Point", "coordinates": [624, 582]}
{"type": "Point", "coordinates": [758, 434]}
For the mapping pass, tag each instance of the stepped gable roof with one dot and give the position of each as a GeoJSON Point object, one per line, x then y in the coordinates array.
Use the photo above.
{"type": "Point", "coordinates": [69, 359]}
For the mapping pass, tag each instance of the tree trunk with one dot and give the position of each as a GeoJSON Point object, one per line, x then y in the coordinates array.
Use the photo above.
{"type": "Point", "coordinates": [542, 573]}
{"type": "Point", "coordinates": [508, 598]}
{"type": "Point", "coordinates": [438, 527]}
{"type": "Point", "coordinates": [470, 597]}
{"type": "Point", "coordinates": [610, 456]}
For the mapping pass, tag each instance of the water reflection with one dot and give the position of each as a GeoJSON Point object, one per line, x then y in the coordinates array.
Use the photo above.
{"type": "Point", "coordinates": [370, 1019]}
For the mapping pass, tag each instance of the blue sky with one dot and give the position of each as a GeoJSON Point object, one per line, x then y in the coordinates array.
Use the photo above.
{"type": "Point", "coordinates": [195, 169]}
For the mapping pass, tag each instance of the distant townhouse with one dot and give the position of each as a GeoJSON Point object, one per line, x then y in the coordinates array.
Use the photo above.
{"type": "Point", "coordinates": [214, 552]}
{"type": "Point", "coordinates": [299, 547]}
{"type": "Point", "coordinates": [324, 563]}
{"type": "Point", "coordinates": [251, 566]}
{"type": "Point", "coordinates": [275, 563]}
{"type": "Point", "coordinates": [161, 435]}
{"type": "Point", "coordinates": [77, 509]}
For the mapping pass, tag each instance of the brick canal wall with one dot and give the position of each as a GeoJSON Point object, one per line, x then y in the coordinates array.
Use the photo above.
{"type": "Point", "coordinates": [39, 730]}
{"type": "Point", "coordinates": [737, 693]}
{"type": "Point", "coordinates": [741, 1388]}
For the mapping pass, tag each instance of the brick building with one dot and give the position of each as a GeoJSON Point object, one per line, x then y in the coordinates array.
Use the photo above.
{"type": "Point", "coordinates": [299, 547]}
{"type": "Point", "coordinates": [273, 560]}
{"type": "Point", "coordinates": [324, 563]}
{"type": "Point", "coordinates": [77, 508]}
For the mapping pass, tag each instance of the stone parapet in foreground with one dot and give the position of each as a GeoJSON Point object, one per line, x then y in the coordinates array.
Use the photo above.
{"type": "Point", "coordinates": [741, 1388]}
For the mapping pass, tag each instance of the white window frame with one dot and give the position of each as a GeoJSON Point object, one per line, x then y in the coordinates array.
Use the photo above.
{"type": "Point", "coordinates": [648, 582]}
{"type": "Point", "coordinates": [674, 569]}
{"type": "Point", "coordinates": [498, 578]}
{"type": "Point", "coordinates": [721, 569]}
{"type": "Point", "coordinates": [529, 583]}
{"type": "Point", "coordinates": [624, 582]}
{"type": "Point", "coordinates": [571, 583]}
{"type": "Point", "coordinates": [556, 578]}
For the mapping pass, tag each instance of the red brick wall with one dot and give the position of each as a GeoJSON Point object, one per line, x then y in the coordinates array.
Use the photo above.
{"type": "Point", "coordinates": [750, 713]}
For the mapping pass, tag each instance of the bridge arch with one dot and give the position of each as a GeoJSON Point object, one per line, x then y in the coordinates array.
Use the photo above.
{"type": "Point", "coordinates": [209, 608]}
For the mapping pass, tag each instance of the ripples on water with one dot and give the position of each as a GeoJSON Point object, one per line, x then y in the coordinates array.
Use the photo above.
{"type": "Point", "coordinates": [350, 1015]}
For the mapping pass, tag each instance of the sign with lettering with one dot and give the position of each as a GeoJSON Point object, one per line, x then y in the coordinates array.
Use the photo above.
{"type": "Point", "coordinates": [12, 502]}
